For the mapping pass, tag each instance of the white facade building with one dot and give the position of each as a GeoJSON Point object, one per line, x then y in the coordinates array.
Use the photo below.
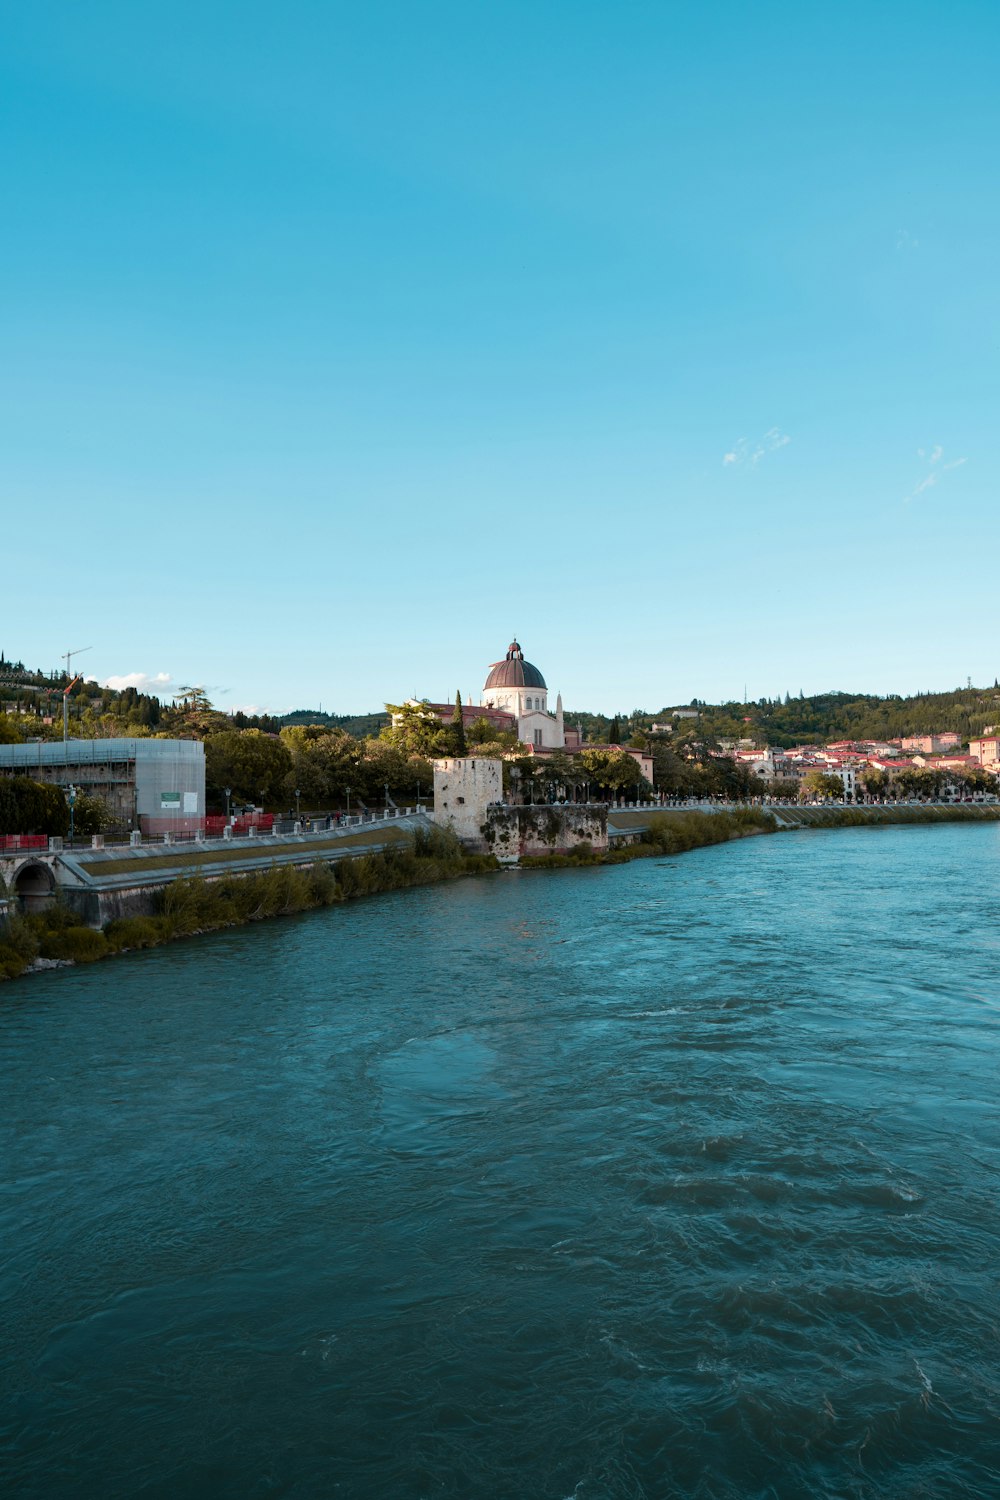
{"type": "Point", "coordinates": [518, 687]}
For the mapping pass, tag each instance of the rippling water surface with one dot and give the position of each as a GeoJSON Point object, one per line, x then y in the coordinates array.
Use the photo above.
{"type": "Point", "coordinates": [675, 1179]}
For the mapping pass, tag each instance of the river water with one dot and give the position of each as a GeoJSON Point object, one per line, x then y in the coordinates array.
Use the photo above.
{"type": "Point", "coordinates": [673, 1179]}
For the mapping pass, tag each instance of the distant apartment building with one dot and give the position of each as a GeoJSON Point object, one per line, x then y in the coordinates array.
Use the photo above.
{"type": "Point", "coordinates": [931, 744]}
{"type": "Point", "coordinates": [986, 751]}
{"type": "Point", "coordinates": [770, 765]}
{"type": "Point", "coordinates": [849, 776]}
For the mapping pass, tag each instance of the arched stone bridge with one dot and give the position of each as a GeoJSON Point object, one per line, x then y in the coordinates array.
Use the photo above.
{"type": "Point", "coordinates": [29, 877]}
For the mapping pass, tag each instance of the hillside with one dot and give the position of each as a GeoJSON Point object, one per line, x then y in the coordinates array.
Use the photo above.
{"type": "Point", "coordinates": [836, 716]}
{"type": "Point", "coordinates": [358, 726]}
{"type": "Point", "coordinates": [33, 696]}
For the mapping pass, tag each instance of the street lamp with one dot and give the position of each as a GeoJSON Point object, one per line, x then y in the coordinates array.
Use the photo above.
{"type": "Point", "coordinates": [71, 794]}
{"type": "Point", "coordinates": [262, 799]}
{"type": "Point", "coordinates": [228, 795]}
{"type": "Point", "coordinates": [348, 791]}
{"type": "Point", "coordinates": [297, 795]}
{"type": "Point", "coordinates": [387, 796]}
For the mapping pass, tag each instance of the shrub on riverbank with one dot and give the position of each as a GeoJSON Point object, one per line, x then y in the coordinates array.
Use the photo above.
{"type": "Point", "coordinates": [675, 833]}
{"type": "Point", "coordinates": [55, 932]}
{"type": "Point", "coordinates": [584, 854]}
{"type": "Point", "coordinates": [197, 905]}
{"type": "Point", "coordinates": [80, 945]}
{"type": "Point", "coordinates": [18, 947]}
{"type": "Point", "coordinates": [666, 833]}
{"type": "Point", "coordinates": [860, 817]}
{"type": "Point", "coordinates": [135, 932]}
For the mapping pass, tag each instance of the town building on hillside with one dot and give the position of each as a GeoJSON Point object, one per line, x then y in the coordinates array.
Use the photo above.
{"type": "Point", "coordinates": [946, 762]}
{"type": "Point", "coordinates": [931, 744]}
{"type": "Point", "coordinates": [770, 764]}
{"type": "Point", "coordinates": [986, 751]}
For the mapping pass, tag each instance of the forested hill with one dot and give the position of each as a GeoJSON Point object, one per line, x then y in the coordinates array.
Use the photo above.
{"type": "Point", "coordinates": [29, 697]}
{"type": "Point", "coordinates": [359, 726]}
{"type": "Point", "coordinates": [815, 719]}
{"type": "Point", "coordinates": [836, 716]}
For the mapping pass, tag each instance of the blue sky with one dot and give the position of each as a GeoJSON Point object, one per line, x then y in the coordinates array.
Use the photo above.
{"type": "Point", "coordinates": [340, 342]}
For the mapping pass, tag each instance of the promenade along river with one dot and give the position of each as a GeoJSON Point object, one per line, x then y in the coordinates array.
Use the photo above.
{"type": "Point", "coordinates": [675, 1179]}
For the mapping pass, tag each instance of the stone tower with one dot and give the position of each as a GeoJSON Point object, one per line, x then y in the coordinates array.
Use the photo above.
{"type": "Point", "coordinates": [464, 788]}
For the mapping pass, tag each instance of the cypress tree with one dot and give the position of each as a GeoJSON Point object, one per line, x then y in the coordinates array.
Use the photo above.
{"type": "Point", "coordinates": [458, 728]}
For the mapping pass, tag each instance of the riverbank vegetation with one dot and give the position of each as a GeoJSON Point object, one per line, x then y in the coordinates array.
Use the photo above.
{"type": "Point", "coordinates": [667, 833]}
{"type": "Point", "coordinates": [861, 817]}
{"type": "Point", "coordinates": [677, 832]}
{"type": "Point", "coordinates": [194, 905]}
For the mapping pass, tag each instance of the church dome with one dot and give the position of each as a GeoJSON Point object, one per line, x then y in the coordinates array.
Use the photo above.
{"type": "Point", "coordinates": [514, 671]}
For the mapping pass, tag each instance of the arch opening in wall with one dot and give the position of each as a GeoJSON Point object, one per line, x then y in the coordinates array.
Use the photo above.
{"type": "Point", "coordinates": [34, 887]}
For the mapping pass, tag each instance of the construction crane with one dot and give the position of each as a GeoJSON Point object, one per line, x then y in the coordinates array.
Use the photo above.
{"type": "Point", "coordinates": [66, 691]}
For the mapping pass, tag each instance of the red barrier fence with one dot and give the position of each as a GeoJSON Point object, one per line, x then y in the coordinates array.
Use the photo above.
{"type": "Point", "coordinates": [215, 823]}
{"type": "Point", "coordinates": [11, 843]}
{"type": "Point", "coordinates": [212, 826]}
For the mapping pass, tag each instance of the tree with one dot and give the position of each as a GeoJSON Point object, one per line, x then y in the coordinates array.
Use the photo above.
{"type": "Point", "coordinates": [28, 806]}
{"type": "Point", "coordinates": [612, 770]}
{"type": "Point", "coordinates": [383, 764]}
{"type": "Point", "coordinates": [555, 771]}
{"type": "Point", "coordinates": [9, 732]}
{"type": "Point", "coordinates": [324, 762]}
{"type": "Point", "coordinates": [976, 779]}
{"type": "Point", "coordinates": [488, 740]}
{"type": "Point", "coordinates": [822, 784]}
{"type": "Point", "coordinates": [671, 772]}
{"type": "Point", "coordinates": [91, 814]}
{"type": "Point", "coordinates": [416, 730]}
{"type": "Point", "coordinates": [193, 714]}
{"type": "Point", "coordinates": [458, 728]}
{"type": "Point", "coordinates": [251, 764]}
{"type": "Point", "coordinates": [874, 781]}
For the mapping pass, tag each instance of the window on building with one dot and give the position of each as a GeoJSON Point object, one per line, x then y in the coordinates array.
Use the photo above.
{"type": "Point", "coordinates": [538, 736]}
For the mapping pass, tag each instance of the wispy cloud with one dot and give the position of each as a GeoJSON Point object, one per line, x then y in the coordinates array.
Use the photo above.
{"type": "Point", "coordinates": [906, 241]}
{"type": "Point", "coordinates": [141, 681]}
{"type": "Point", "coordinates": [750, 451]}
{"type": "Point", "coordinates": [932, 461]}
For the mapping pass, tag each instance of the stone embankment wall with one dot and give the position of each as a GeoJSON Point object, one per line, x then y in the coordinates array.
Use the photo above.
{"type": "Point", "coordinates": [511, 832]}
{"type": "Point", "coordinates": [101, 884]}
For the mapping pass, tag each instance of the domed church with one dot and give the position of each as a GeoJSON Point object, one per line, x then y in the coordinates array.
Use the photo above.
{"type": "Point", "coordinates": [518, 688]}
